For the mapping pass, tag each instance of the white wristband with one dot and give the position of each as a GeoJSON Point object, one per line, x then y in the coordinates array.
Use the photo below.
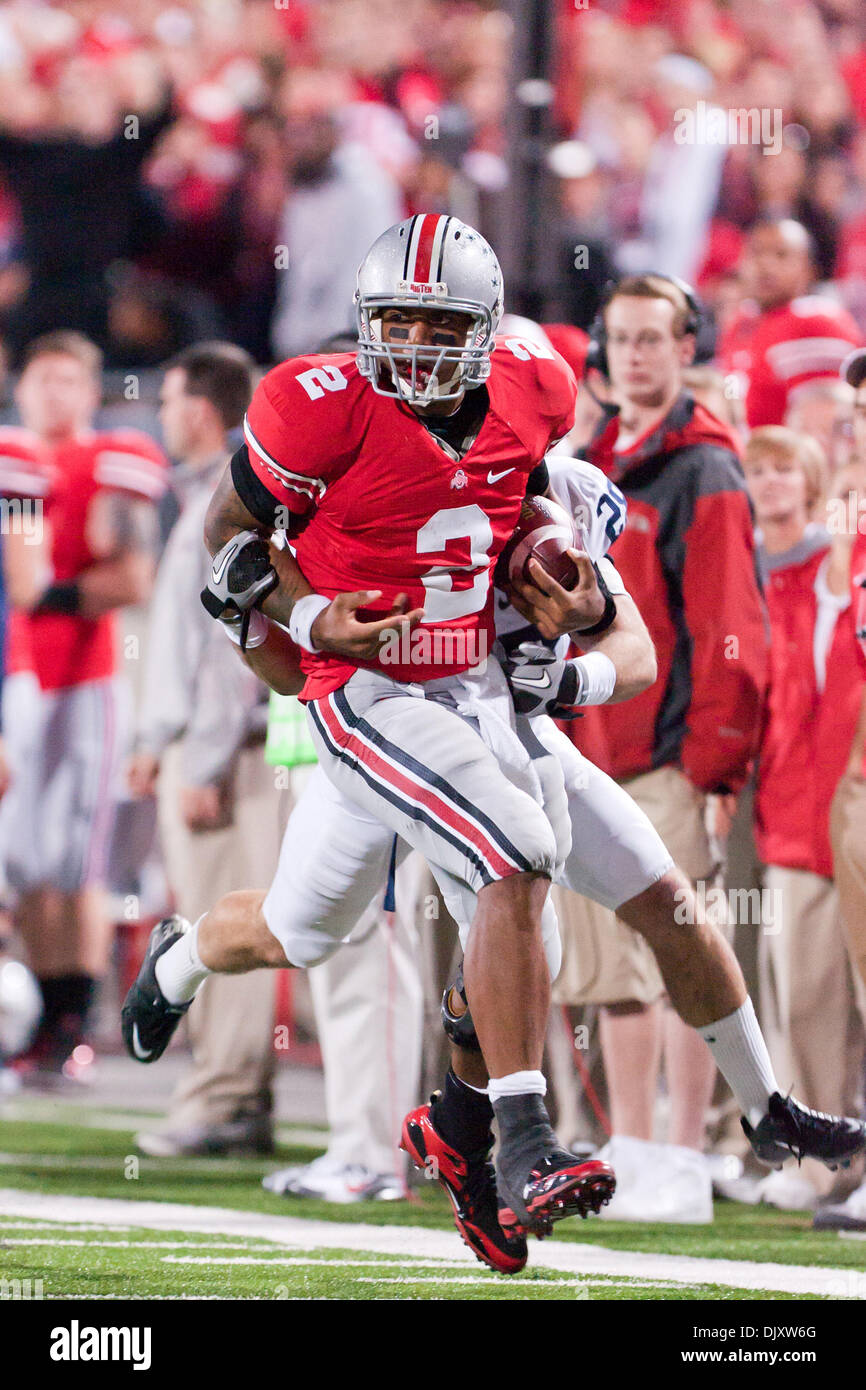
{"type": "Point", "coordinates": [596, 675]}
{"type": "Point", "coordinates": [257, 631]}
{"type": "Point", "coordinates": [304, 614]}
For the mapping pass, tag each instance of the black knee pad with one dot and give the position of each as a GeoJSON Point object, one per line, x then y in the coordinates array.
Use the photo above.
{"type": "Point", "coordinates": [460, 1030]}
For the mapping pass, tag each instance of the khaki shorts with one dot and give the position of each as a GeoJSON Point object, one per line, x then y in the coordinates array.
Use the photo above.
{"type": "Point", "coordinates": [604, 961]}
{"type": "Point", "coordinates": [848, 838]}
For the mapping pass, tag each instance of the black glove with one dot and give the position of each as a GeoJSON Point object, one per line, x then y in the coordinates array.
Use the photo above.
{"type": "Point", "coordinates": [240, 580]}
{"type": "Point", "coordinates": [541, 683]}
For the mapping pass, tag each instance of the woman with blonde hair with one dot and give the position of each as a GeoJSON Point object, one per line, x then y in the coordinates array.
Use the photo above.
{"type": "Point", "coordinates": [808, 1003]}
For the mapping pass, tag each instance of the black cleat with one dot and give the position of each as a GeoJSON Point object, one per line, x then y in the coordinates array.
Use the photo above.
{"type": "Point", "coordinates": [559, 1184]}
{"type": "Point", "coordinates": [147, 1020]}
{"type": "Point", "coordinates": [791, 1130]}
{"type": "Point", "coordinates": [538, 1181]}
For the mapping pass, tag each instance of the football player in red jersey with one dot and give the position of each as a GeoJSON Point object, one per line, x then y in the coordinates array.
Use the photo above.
{"type": "Point", "coordinates": [783, 337]}
{"type": "Point", "coordinates": [399, 476]}
{"type": "Point", "coordinates": [65, 708]}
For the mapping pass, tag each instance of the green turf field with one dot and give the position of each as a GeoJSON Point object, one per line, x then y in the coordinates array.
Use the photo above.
{"type": "Point", "coordinates": [351, 1251]}
{"type": "Point", "coordinates": [72, 1262]}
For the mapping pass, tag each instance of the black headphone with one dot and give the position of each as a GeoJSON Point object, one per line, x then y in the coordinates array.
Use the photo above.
{"type": "Point", "coordinates": [596, 353]}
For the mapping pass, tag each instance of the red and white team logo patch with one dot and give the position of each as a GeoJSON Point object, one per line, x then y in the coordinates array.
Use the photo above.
{"type": "Point", "coordinates": [460, 479]}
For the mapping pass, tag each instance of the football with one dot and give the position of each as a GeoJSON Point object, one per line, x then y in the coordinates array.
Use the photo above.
{"type": "Point", "coordinates": [544, 532]}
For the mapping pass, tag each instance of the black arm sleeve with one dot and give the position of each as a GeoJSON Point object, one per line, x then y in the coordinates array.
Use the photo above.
{"type": "Point", "coordinates": [538, 481]}
{"type": "Point", "coordinates": [252, 492]}
{"type": "Point", "coordinates": [258, 501]}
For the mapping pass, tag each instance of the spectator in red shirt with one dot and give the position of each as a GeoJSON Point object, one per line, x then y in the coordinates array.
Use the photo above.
{"type": "Point", "coordinates": [848, 811]}
{"type": "Point", "coordinates": [808, 1002]}
{"type": "Point", "coordinates": [783, 337]}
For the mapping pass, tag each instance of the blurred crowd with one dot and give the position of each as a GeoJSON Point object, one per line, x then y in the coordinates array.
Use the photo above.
{"type": "Point", "coordinates": [215, 131]}
{"type": "Point", "coordinates": [177, 173]}
{"type": "Point", "coordinates": [154, 157]}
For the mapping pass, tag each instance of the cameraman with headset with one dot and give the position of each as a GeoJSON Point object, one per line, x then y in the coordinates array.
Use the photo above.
{"type": "Point", "coordinates": [687, 554]}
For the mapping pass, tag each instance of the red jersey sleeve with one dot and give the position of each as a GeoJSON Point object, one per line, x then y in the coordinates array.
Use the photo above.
{"type": "Point", "coordinates": [571, 342]}
{"type": "Point", "coordinates": [24, 468]}
{"type": "Point", "coordinates": [818, 337]}
{"type": "Point", "coordinates": [294, 429]}
{"type": "Point", "coordinates": [130, 461]}
{"type": "Point", "coordinates": [558, 395]}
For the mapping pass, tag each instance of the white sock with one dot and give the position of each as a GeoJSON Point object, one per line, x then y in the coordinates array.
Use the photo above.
{"type": "Point", "coordinates": [179, 970]}
{"type": "Point", "coordinates": [741, 1055]}
{"type": "Point", "coordinates": [517, 1083]}
{"type": "Point", "coordinates": [479, 1090]}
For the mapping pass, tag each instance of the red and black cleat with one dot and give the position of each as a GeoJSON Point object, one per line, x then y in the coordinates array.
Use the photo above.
{"type": "Point", "coordinates": [559, 1185]}
{"type": "Point", "coordinates": [470, 1181]}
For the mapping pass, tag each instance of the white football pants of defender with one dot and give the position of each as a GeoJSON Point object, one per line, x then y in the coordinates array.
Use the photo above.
{"type": "Point", "coordinates": [616, 851]}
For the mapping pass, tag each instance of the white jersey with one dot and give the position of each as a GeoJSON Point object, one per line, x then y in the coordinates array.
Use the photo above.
{"type": "Point", "coordinates": [599, 509]}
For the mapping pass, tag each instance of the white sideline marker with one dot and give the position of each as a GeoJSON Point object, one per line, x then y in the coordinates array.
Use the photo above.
{"type": "Point", "coordinates": [565, 1257]}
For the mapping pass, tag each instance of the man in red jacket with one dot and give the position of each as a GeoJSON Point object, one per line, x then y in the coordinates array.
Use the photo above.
{"type": "Point", "coordinates": [687, 555]}
{"type": "Point", "coordinates": [783, 337]}
{"type": "Point", "coordinates": [808, 1003]}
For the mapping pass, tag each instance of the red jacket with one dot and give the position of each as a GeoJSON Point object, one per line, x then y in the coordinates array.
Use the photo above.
{"type": "Point", "coordinates": [687, 557]}
{"type": "Point", "coordinates": [807, 732]}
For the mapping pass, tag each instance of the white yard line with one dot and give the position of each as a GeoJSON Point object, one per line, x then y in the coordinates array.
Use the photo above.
{"type": "Point", "coordinates": [383, 1262]}
{"type": "Point", "coordinates": [573, 1283]}
{"type": "Point", "coordinates": [54, 1226]}
{"type": "Point", "coordinates": [141, 1298]}
{"type": "Point", "coordinates": [566, 1258]}
{"type": "Point", "coordinates": [139, 1244]}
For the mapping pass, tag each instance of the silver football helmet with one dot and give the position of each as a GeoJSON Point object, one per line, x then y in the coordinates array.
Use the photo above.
{"type": "Point", "coordinates": [435, 262]}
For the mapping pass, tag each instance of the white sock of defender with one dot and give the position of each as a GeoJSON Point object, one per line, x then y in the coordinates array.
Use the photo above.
{"type": "Point", "coordinates": [179, 970]}
{"type": "Point", "coordinates": [741, 1055]}
{"type": "Point", "coordinates": [479, 1090]}
{"type": "Point", "coordinates": [517, 1083]}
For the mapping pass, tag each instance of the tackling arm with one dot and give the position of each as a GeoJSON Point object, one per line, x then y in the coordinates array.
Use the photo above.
{"type": "Point", "coordinates": [618, 664]}
{"type": "Point", "coordinates": [628, 645]}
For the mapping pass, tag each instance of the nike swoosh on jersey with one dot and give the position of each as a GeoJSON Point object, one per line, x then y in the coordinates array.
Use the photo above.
{"type": "Point", "coordinates": [142, 1053]}
{"type": "Point", "coordinates": [217, 574]}
{"type": "Point", "coordinates": [494, 477]}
